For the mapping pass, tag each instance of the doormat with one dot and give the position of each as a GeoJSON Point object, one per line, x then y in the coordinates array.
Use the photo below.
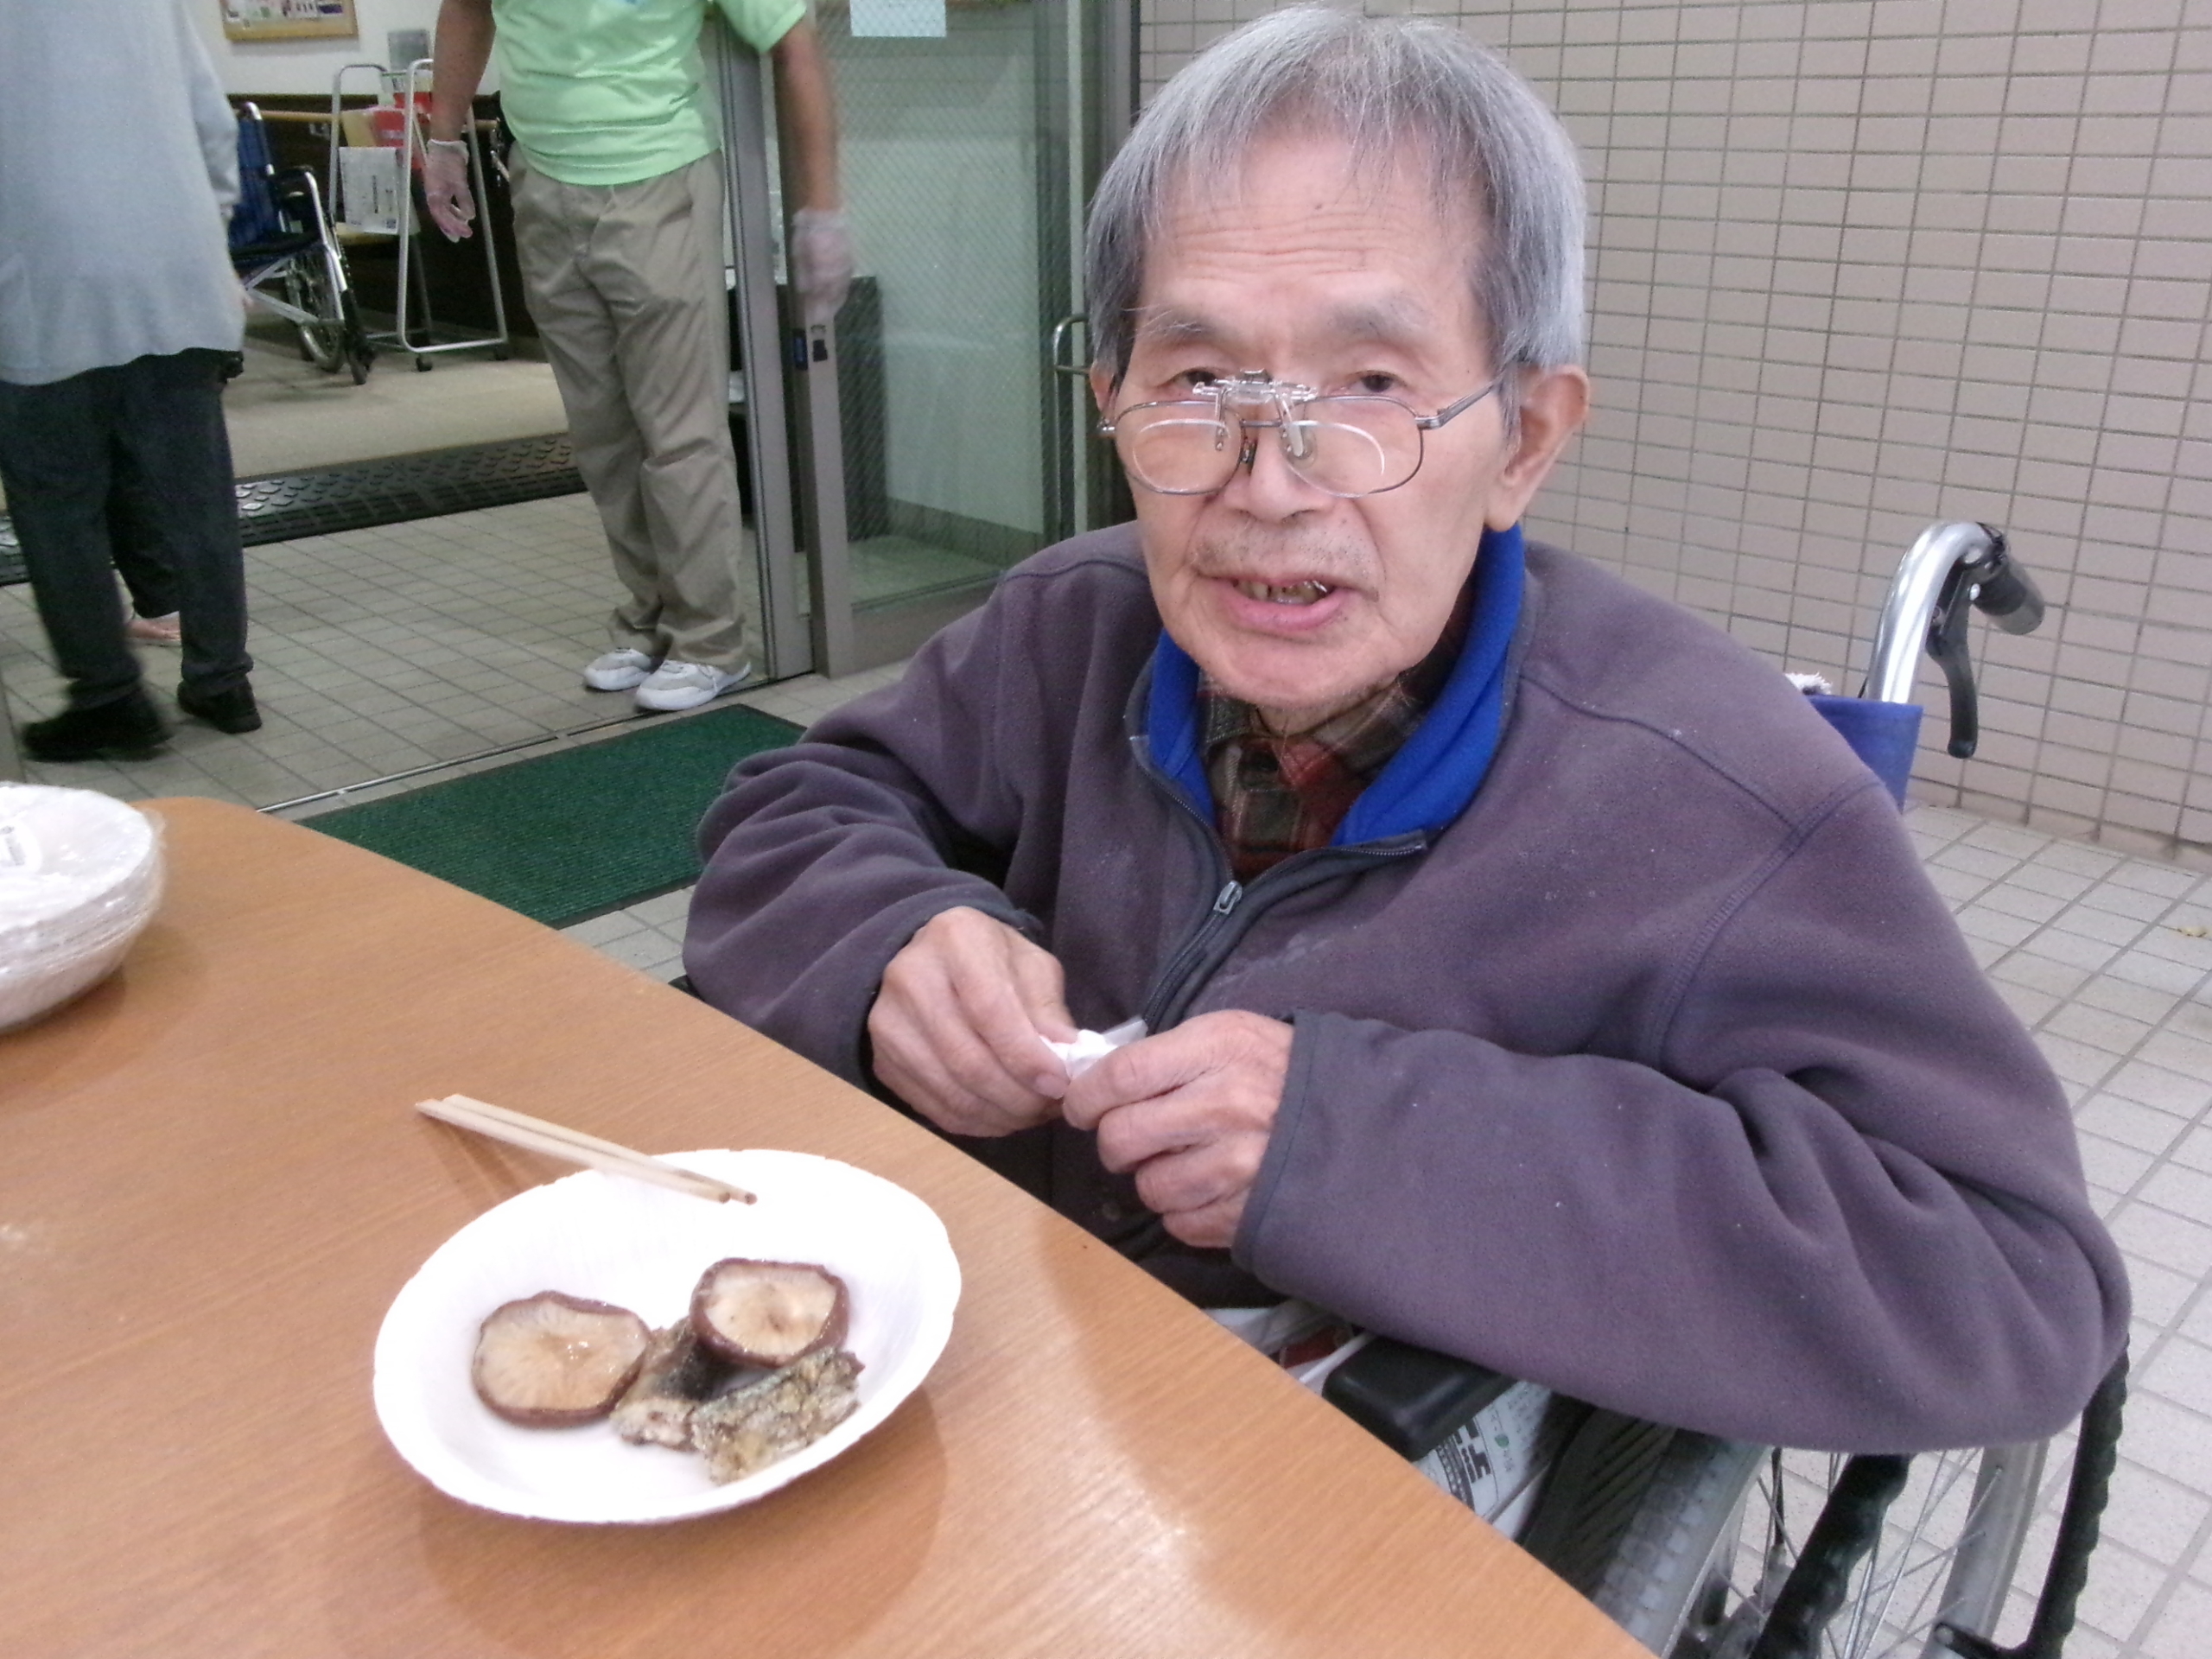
{"type": "Point", "coordinates": [388, 490]}
{"type": "Point", "coordinates": [569, 836]}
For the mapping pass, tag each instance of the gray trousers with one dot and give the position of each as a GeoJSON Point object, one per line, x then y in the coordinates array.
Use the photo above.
{"type": "Point", "coordinates": [625, 283]}
{"type": "Point", "coordinates": [136, 450]}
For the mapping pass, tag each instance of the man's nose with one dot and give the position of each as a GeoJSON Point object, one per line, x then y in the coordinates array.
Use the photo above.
{"type": "Point", "coordinates": [1269, 487]}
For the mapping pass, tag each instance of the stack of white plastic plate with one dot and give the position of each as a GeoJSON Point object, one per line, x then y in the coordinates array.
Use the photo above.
{"type": "Point", "coordinates": [79, 876]}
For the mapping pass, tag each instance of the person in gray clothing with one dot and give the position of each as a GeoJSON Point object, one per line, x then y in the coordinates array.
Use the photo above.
{"type": "Point", "coordinates": [1532, 973]}
{"type": "Point", "coordinates": [119, 313]}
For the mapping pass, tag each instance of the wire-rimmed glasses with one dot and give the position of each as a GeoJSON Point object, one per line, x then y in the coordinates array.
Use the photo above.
{"type": "Point", "coordinates": [1347, 446]}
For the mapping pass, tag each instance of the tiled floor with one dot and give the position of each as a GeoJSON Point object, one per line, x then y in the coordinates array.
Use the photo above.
{"type": "Point", "coordinates": [376, 651]}
{"type": "Point", "coordinates": [407, 648]}
{"type": "Point", "coordinates": [386, 650]}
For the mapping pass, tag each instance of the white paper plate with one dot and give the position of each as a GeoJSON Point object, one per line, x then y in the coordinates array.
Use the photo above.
{"type": "Point", "coordinates": [643, 1247]}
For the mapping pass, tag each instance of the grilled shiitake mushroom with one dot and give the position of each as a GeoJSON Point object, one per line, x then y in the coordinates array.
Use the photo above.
{"type": "Point", "coordinates": [768, 1313]}
{"type": "Point", "coordinates": [551, 1360]}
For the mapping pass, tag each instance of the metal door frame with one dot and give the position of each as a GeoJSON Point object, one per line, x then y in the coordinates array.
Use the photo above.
{"type": "Point", "coordinates": [1106, 61]}
{"type": "Point", "coordinates": [741, 81]}
{"type": "Point", "coordinates": [1086, 55]}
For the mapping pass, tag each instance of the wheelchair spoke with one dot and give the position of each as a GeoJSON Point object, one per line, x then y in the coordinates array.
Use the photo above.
{"type": "Point", "coordinates": [1717, 1549]}
{"type": "Point", "coordinates": [1896, 1593]}
{"type": "Point", "coordinates": [1898, 1589]}
{"type": "Point", "coordinates": [1931, 1572]}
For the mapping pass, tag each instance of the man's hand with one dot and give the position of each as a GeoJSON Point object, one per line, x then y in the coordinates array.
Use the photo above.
{"type": "Point", "coordinates": [1190, 1111]}
{"type": "Point", "coordinates": [960, 1025]}
{"type": "Point", "coordinates": [822, 262]}
{"type": "Point", "coordinates": [445, 191]}
{"type": "Point", "coordinates": [462, 46]}
{"type": "Point", "coordinates": [806, 109]}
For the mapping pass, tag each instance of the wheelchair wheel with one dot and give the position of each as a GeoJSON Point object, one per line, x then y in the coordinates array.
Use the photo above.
{"type": "Point", "coordinates": [1818, 1553]}
{"type": "Point", "coordinates": [1702, 1549]}
{"type": "Point", "coordinates": [334, 340]}
{"type": "Point", "coordinates": [308, 288]}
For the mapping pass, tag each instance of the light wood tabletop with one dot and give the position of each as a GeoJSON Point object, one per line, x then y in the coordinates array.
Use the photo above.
{"type": "Point", "coordinates": [213, 1183]}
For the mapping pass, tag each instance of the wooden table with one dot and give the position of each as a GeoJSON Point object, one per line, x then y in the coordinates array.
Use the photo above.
{"type": "Point", "coordinates": [213, 1183]}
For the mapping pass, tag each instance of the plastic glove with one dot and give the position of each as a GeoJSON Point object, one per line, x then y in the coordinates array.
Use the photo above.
{"type": "Point", "coordinates": [445, 191]}
{"type": "Point", "coordinates": [822, 261]}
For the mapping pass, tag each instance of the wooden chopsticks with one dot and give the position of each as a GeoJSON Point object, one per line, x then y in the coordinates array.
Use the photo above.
{"type": "Point", "coordinates": [575, 1147]}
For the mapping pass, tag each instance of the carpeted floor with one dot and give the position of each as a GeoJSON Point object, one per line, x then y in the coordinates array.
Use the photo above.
{"type": "Point", "coordinates": [568, 835]}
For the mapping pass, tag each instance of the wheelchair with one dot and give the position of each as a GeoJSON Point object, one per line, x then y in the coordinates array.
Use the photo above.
{"type": "Point", "coordinates": [1705, 1548]}
{"type": "Point", "coordinates": [284, 253]}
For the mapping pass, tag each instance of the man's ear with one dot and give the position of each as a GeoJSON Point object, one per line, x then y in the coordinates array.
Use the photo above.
{"type": "Point", "coordinates": [1101, 388]}
{"type": "Point", "coordinates": [1554, 404]}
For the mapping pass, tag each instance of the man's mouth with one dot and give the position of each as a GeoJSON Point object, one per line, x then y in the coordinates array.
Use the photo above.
{"type": "Point", "coordinates": [1296, 593]}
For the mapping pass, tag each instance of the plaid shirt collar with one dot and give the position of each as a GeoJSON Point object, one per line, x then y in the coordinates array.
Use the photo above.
{"type": "Point", "coordinates": [1356, 742]}
{"type": "Point", "coordinates": [1275, 796]}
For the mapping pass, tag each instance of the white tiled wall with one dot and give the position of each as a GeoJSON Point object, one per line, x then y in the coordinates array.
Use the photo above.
{"type": "Point", "coordinates": [1863, 264]}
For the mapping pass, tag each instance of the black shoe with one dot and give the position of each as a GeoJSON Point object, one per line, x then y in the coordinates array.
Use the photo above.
{"type": "Point", "coordinates": [232, 711]}
{"type": "Point", "coordinates": [129, 729]}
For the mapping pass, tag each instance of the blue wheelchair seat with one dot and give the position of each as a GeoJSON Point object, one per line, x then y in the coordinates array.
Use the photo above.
{"type": "Point", "coordinates": [1885, 735]}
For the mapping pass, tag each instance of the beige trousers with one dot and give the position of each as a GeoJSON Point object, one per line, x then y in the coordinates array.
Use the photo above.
{"type": "Point", "coordinates": [625, 283]}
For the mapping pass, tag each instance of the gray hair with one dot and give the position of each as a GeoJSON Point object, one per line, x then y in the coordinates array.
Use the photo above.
{"type": "Point", "coordinates": [1494, 152]}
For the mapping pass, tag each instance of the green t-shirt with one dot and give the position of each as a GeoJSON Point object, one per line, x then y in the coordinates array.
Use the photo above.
{"type": "Point", "coordinates": [608, 92]}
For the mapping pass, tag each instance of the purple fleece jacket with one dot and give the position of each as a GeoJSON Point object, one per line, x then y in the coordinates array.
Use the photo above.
{"type": "Point", "coordinates": [1660, 1076]}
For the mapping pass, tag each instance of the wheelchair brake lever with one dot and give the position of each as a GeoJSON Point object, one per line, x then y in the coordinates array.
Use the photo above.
{"type": "Point", "coordinates": [1947, 644]}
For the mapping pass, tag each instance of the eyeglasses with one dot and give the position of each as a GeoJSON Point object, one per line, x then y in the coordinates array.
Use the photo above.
{"type": "Point", "coordinates": [1346, 446]}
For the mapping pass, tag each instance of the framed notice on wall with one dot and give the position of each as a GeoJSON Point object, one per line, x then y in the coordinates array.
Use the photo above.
{"type": "Point", "coordinates": [287, 20]}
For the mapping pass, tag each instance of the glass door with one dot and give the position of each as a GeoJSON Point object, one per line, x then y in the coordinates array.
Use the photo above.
{"type": "Point", "coordinates": [930, 437]}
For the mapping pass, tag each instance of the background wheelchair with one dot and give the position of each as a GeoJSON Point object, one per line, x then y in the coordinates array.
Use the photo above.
{"type": "Point", "coordinates": [282, 248]}
{"type": "Point", "coordinates": [1704, 1549]}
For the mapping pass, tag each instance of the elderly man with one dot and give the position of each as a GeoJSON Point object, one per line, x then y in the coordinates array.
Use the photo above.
{"type": "Point", "coordinates": [1532, 974]}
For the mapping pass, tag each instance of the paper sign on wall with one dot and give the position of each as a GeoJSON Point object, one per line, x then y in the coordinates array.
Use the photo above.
{"type": "Point", "coordinates": [911, 18]}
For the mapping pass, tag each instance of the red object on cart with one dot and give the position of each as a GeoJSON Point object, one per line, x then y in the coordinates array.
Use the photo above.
{"type": "Point", "coordinates": [388, 126]}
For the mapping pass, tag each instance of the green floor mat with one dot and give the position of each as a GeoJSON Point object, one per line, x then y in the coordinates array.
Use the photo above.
{"type": "Point", "coordinates": [570, 834]}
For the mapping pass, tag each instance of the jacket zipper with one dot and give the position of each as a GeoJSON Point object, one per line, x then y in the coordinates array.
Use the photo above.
{"type": "Point", "coordinates": [1230, 915]}
{"type": "Point", "coordinates": [1192, 950]}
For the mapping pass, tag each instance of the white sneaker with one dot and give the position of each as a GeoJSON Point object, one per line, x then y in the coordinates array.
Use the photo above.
{"type": "Point", "coordinates": [686, 685]}
{"type": "Point", "coordinates": [617, 670]}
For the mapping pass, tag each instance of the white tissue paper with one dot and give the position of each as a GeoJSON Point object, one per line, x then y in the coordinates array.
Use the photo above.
{"type": "Point", "coordinates": [80, 875]}
{"type": "Point", "coordinates": [1091, 1047]}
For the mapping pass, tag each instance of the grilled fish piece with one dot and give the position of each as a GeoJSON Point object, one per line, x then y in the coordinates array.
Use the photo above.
{"type": "Point", "coordinates": [770, 1417]}
{"type": "Point", "coordinates": [678, 1374]}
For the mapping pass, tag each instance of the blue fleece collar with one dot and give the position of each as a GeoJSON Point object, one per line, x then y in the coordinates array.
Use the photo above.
{"type": "Point", "coordinates": [1430, 780]}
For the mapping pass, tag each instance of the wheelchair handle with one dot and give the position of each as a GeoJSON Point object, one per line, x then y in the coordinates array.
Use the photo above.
{"type": "Point", "coordinates": [2010, 599]}
{"type": "Point", "coordinates": [1951, 571]}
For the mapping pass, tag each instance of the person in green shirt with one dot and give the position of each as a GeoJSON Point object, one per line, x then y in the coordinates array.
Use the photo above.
{"type": "Point", "coordinates": [618, 206]}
